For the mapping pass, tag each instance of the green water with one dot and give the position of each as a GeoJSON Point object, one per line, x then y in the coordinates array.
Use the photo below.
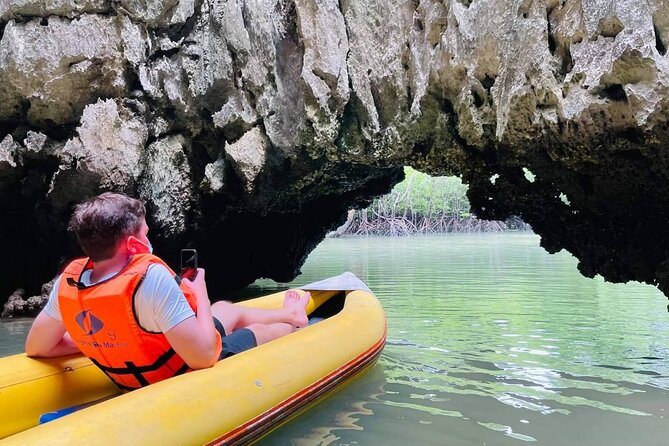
{"type": "Point", "coordinates": [491, 341]}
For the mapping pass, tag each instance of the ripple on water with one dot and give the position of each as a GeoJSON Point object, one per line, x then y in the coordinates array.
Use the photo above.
{"type": "Point", "coordinates": [504, 337]}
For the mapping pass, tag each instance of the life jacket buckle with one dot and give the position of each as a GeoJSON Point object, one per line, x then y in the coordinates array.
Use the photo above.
{"type": "Point", "coordinates": [72, 282]}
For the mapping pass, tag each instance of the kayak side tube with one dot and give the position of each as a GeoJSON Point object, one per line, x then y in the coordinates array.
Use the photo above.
{"type": "Point", "coordinates": [239, 399]}
{"type": "Point", "coordinates": [31, 387]}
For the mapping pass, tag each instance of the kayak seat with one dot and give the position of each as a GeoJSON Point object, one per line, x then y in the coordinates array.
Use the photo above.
{"type": "Point", "coordinates": [50, 416]}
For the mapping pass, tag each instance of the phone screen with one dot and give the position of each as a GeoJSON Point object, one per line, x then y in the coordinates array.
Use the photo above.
{"type": "Point", "coordinates": [189, 264]}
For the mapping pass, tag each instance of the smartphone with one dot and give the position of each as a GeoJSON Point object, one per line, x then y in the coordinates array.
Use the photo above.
{"type": "Point", "coordinates": [189, 264]}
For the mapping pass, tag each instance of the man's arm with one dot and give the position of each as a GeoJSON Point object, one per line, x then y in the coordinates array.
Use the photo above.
{"type": "Point", "coordinates": [48, 338]}
{"type": "Point", "coordinates": [195, 339]}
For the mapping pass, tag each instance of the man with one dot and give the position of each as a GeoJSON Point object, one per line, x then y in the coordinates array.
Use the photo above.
{"type": "Point", "coordinates": [123, 308]}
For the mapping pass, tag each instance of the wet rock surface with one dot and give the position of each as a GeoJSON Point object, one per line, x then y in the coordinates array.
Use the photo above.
{"type": "Point", "coordinates": [250, 127]}
{"type": "Point", "coordinates": [18, 305]}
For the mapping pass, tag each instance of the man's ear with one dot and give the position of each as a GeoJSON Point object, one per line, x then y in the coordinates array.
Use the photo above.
{"type": "Point", "coordinates": [131, 244]}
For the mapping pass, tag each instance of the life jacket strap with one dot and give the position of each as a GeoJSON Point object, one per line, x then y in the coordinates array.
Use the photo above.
{"type": "Point", "coordinates": [138, 371]}
{"type": "Point", "coordinates": [132, 368]}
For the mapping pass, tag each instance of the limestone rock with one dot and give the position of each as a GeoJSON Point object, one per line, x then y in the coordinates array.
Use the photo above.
{"type": "Point", "coordinates": [8, 161]}
{"type": "Point", "coordinates": [166, 184]}
{"type": "Point", "coordinates": [241, 116]}
{"type": "Point", "coordinates": [157, 13]}
{"type": "Point", "coordinates": [17, 305]}
{"type": "Point", "coordinates": [248, 156]}
{"type": "Point", "coordinates": [35, 141]}
{"type": "Point", "coordinates": [134, 40]}
{"type": "Point", "coordinates": [235, 117]}
{"type": "Point", "coordinates": [12, 9]}
{"type": "Point", "coordinates": [163, 81]}
{"type": "Point", "coordinates": [214, 177]}
{"type": "Point", "coordinates": [50, 72]}
{"type": "Point", "coordinates": [324, 69]}
{"type": "Point", "coordinates": [106, 154]}
{"type": "Point", "coordinates": [8, 149]}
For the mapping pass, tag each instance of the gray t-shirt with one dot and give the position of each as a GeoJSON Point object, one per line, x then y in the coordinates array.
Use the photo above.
{"type": "Point", "coordinates": [159, 304]}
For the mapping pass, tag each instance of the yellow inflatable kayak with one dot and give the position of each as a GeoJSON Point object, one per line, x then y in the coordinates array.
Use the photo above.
{"type": "Point", "coordinates": [237, 401]}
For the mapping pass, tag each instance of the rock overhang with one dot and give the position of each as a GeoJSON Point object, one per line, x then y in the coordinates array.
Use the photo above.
{"type": "Point", "coordinates": [250, 127]}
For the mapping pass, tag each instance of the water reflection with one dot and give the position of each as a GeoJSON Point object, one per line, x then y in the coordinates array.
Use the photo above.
{"type": "Point", "coordinates": [13, 334]}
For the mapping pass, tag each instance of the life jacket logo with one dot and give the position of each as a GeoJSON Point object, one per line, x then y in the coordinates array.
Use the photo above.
{"type": "Point", "coordinates": [88, 322]}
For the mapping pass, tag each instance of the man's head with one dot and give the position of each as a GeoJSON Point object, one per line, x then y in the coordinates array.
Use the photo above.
{"type": "Point", "coordinates": [105, 223]}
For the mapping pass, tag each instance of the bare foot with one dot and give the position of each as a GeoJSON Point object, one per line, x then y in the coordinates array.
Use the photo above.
{"type": "Point", "coordinates": [297, 305]}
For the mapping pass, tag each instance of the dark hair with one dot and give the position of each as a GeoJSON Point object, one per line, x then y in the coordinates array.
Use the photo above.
{"type": "Point", "coordinates": [101, 222]}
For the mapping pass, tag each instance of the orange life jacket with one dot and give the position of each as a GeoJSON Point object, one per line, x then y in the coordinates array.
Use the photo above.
{"type": "Point", "coordinates": [101, 320]}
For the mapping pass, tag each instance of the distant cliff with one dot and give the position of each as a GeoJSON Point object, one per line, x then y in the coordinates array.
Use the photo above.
{"type": "Point", "coordinates": [250, 127]}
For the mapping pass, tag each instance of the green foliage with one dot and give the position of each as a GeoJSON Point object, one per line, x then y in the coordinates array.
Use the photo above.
{"type": "Point", "coordinates": [422, 204]}
{"type": "Point", "coordinates": [421, 195]}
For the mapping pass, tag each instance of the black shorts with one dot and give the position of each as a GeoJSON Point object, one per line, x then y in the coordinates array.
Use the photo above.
{"type": "Point", "coordinates": [236, 342]}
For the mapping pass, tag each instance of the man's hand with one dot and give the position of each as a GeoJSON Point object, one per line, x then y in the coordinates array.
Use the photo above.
{"type": "Point", "coordinates": [195, 339]}
{"type": "Point", "coordinates": [198, 287]}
